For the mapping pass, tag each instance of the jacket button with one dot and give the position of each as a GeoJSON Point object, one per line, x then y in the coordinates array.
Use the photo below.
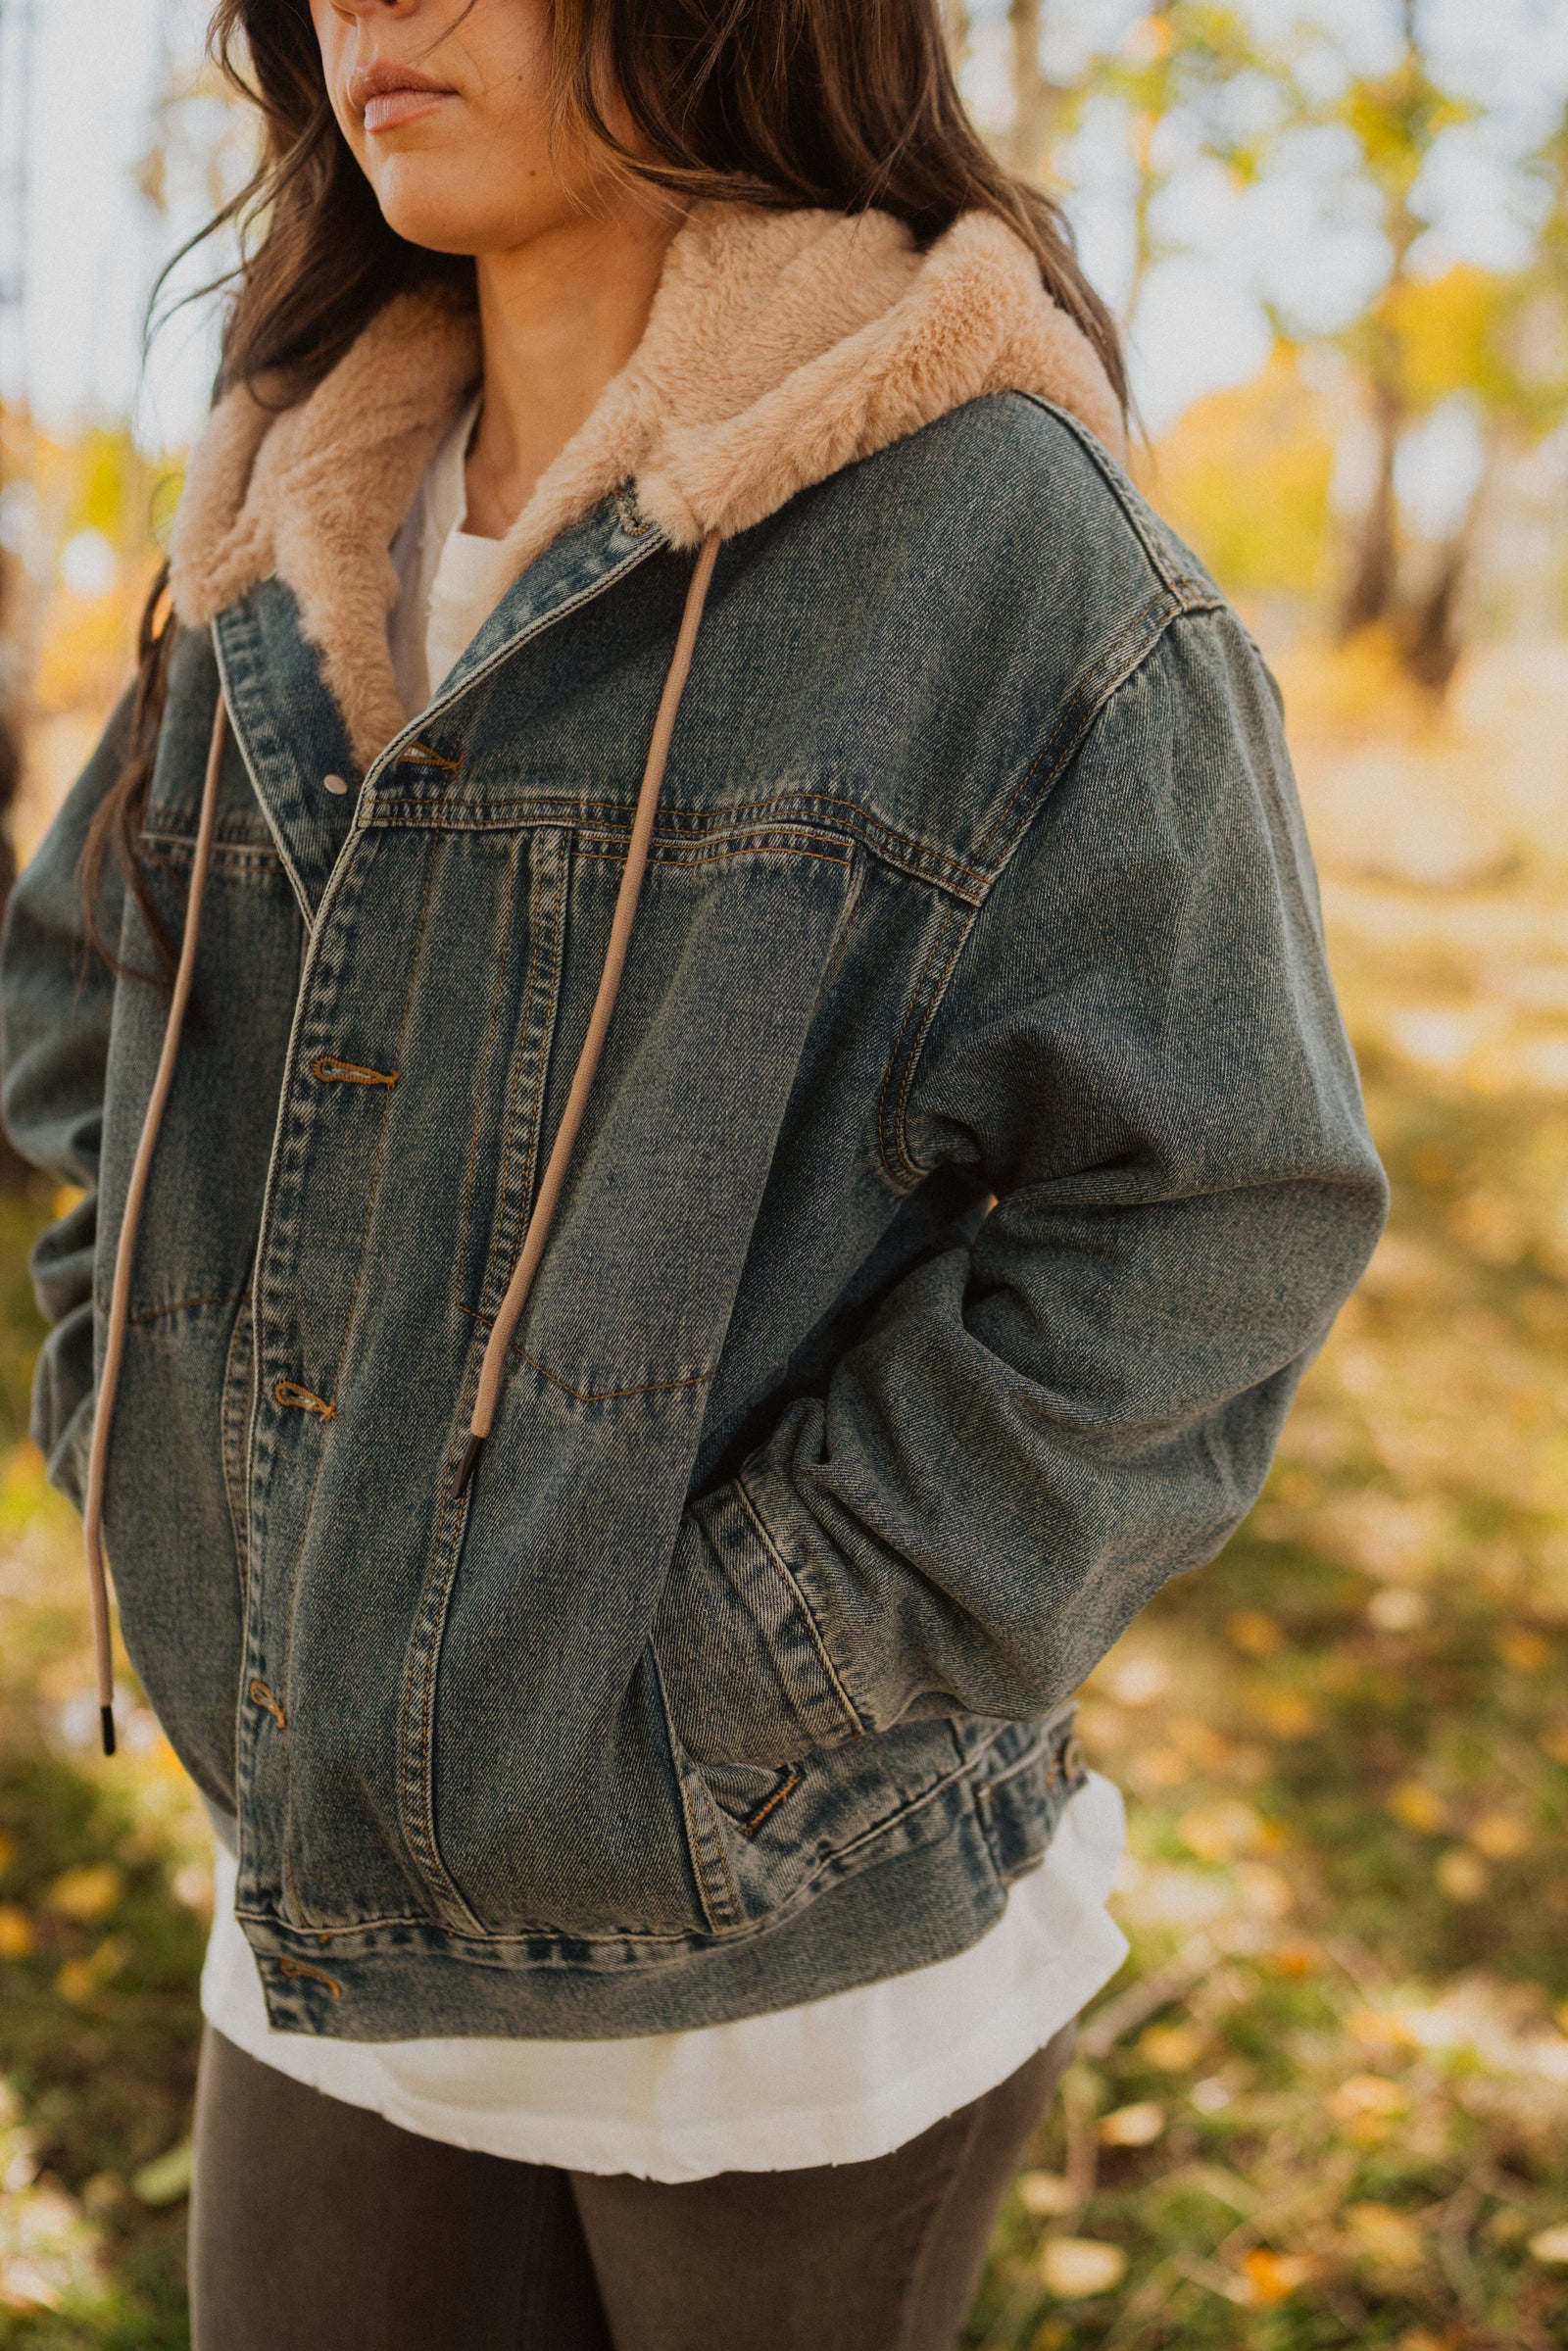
{"type": "Point", "coordinates": [334, 784]}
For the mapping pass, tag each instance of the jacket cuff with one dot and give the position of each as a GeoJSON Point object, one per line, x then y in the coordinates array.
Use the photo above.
{"type": "Point", "coordinates": [745, 1669]}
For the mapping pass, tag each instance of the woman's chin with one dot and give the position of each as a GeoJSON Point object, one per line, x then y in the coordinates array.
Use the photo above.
{"type": "Point", "coordinates": [442, 220]}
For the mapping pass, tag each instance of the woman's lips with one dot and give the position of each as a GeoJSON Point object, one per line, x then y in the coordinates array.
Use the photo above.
{"type": "Point", "coordinates": [389, 109]}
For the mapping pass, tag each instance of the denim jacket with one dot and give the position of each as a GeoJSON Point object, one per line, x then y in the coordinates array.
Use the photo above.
{"type": "Point", "coordinates": [975, 1163]}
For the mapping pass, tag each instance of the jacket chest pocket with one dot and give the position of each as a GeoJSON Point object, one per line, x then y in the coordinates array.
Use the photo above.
{"type": "Point", "coordinates": [728, 952]}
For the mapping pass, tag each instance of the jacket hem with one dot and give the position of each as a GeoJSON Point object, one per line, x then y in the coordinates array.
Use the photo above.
{"type": "Point", "coordinates": [923, 1904]}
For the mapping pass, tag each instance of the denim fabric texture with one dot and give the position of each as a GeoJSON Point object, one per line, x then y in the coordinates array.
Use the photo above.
{"type": "Point", "coordinates": [976, 1162]}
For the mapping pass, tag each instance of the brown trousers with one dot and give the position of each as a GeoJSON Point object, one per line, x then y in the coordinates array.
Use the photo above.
{"type": "Point", "coordinates": [317, 2226]}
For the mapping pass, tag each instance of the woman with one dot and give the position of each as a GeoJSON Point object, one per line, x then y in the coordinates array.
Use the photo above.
{"type": "Point", "coordinates": [761, 1141]}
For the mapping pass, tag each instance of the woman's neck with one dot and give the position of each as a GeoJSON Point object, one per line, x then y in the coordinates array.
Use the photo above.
{"type": "Point", "coordinates": [559, 317]}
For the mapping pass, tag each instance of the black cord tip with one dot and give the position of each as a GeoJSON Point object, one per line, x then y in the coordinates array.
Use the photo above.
{"type": "Point", "coordinates": [106, 1724]}
{"type": "Point", "coordinates": [467, 1466]}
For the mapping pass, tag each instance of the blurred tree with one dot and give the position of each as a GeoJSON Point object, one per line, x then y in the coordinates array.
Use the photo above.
{"type": "Point", "coordinates": [1244, 476]}
{"type": "Point", "coordinates": [1178, 68]}
{"type": "Point", "coordinates": [1395, 119]}
{"type": "Point", "coordinates": [1036, 100]}
{"type": "Point", "coordinates": [17, 25]}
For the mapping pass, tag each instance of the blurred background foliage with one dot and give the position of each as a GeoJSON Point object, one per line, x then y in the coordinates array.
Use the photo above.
{"type": "Point", "coordinates": [1325, 2103]}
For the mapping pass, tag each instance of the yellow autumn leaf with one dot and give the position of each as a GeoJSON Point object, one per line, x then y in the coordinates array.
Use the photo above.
{"type": "Point", "coordinates": [17, 1934]}
{"type": "Point", "coordinates": [1297, 1957]}
{"type": "Point", "coordinates": [89, 1892]}
{"type": "Point", "coordinates": [1046, 2195]}
{"type": "Point", "coordinates": [1136, 2126]}
{"type": "Point", "coordinates": [1283, 1712]}
{"type": "Point", "coordinates": [81, 1980]}
{"type": "Point", "coordinates": [1416, 1806]}
{"type": "Point", "coordinates": [1522, 1647]}
{"type": "Point", "coordinates": [1378, 2028]}
{"type": "Point", "coordinates": [1219, 1831]}
{"type": "Point", "coordinates": [167, 2178]}
{"type": "Point", "coordinates": [1275, 2276]}
{"type": "Point", "coordinates": [1253, 1633]}
{"type": "Point", "coordinates": [1390, 2239]}
{"type": "Point", "coordinates": [1173, 2048]}
{"type": "Point", "coordinates": [1501, 1835]}
{"type": "Point", "coordinates": [1460, 1876]}
{"type": "Point", "coordinates": [1073, 2268]}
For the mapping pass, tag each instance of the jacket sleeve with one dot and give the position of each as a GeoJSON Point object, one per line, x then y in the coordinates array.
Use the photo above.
{"type": "Point", "coordinates": [1140, 1047]}
{"type": "Point", "coordinates": [56, 1002]}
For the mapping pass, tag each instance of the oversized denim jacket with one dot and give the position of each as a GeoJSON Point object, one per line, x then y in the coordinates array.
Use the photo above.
{"type": "Point", "coordinates": [976, 1160]}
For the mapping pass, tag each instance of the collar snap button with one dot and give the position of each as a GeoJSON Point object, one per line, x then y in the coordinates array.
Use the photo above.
{"type": "Point", "coordinates": [334, 784]}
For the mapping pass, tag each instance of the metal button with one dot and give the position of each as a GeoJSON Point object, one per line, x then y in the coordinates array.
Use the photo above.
{"type": "Point", "coordinates": [334, 784]}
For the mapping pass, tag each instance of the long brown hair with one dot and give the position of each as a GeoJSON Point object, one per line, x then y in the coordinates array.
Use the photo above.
{"type": "Point", "coordinates": [846, 105]}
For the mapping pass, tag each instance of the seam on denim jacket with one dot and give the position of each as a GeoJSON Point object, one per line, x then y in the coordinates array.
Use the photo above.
{"type": "Point", "coordinates": [818, 1637]}
{"type": "Point", "coordinates": [594, 1396]}
{"type": "Point", "coordinates": [286, 1835]}
{"type": "Point", "coordinates": [841, 854]}
{"type": "Point", "coordinates": [1083, 707]}
{"type": "Point", "coordinates": [696, 1852]}
{"type": "Point", "coordinates": [171, 852]}
{"type": "Point", "coordinates": [546, 993]}
{"type": "Point", "coordinates": [1118, 483]}
{"type": "Point", "coordinates": [799, 1897]}
{"type": "Point", "coordinates": [180, 1305]}
{"type": "Point", "coordinates": [693, 828]}
{"type": "Point", "coordinates": [244, 629]}
{"type": "Point", "coordinates": [480, 1084]}
{"type": "Point", "coordinates": [677, 818]}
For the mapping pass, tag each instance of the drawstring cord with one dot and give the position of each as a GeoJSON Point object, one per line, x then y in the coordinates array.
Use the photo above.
{"type": "Point", "coordinates": [492, 1370]}
{"type": "Point", "coordinates": [120, 1296]}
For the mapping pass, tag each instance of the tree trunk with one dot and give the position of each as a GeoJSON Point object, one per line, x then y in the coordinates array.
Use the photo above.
{"type": "Point", "coordinates": [13, 1170]}
{"type": "Point", "coordinates": [1432, 638]}
{"type": "Point", "coordinates": [1036, 97]}
{"type": "Point", "coordinates": [1374, 571]}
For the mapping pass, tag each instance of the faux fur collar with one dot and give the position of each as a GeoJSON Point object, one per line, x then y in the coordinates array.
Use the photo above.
{"type": "Point", "coordinates": [781, 346]}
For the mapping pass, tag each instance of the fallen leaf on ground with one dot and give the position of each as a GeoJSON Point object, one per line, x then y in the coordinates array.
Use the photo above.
{"type": "Point", "coordinates": [167, 2178]}
{"type": "Point", "coordinates": [1416, 1806]}
{"type": "Point", "coordinates": [1381, 2234]}
{"type": "Point", "coordinates": [1133, 2125]}
{"type": "Point", "coordinates": [1075, 2267]}
{"type": "Point", "coordinates": [87, 1893]}
{"type": "Point", "coordinates": [1501, 1835]}
{"type": "Point", "coordinates": [1275, 2276]}
{"type": "Point", "coordinates": [1460, 1876]}
{"type": "Point", "coordinates": [1046, 2195]}
{"type": "Point", "coordinates": [1173, 2048]}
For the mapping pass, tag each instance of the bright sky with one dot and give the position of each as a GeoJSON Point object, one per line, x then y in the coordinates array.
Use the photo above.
{"type": "Point", "coordinates": [95, 242]}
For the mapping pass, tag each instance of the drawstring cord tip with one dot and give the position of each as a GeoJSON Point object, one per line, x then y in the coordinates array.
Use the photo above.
{"type": "Point", "coordinates": [467, 1466]}
{"type": "Point", "coordinates": [106, 1724]}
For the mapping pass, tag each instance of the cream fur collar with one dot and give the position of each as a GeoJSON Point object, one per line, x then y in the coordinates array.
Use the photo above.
{"type": "Point", "coordinates": [781, 346]}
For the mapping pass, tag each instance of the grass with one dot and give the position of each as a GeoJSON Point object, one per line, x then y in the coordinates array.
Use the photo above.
{"type": "Point", "coordinates": [1326, 2102]}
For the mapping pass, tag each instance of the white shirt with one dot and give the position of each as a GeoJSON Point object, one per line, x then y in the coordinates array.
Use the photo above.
{"type": "Point", "coordinates": [835, 2081]}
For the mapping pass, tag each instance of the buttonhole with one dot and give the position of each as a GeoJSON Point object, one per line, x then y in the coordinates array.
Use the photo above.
{"type": "Point", "coordinates": [263, 1696]}
{"type": "Point", "coordinates": [310, 1975]}
{"type": "Point", "coordinates": [789, 1780]}
{"type": "Point", "coordinates": [303, 1399]}
{"type": "Point", "coordinates": [334, 1072]}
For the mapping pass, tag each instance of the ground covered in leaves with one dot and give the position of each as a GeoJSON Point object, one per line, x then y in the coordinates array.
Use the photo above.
{"type": "Point", "coordinates": [1326, 2102]}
